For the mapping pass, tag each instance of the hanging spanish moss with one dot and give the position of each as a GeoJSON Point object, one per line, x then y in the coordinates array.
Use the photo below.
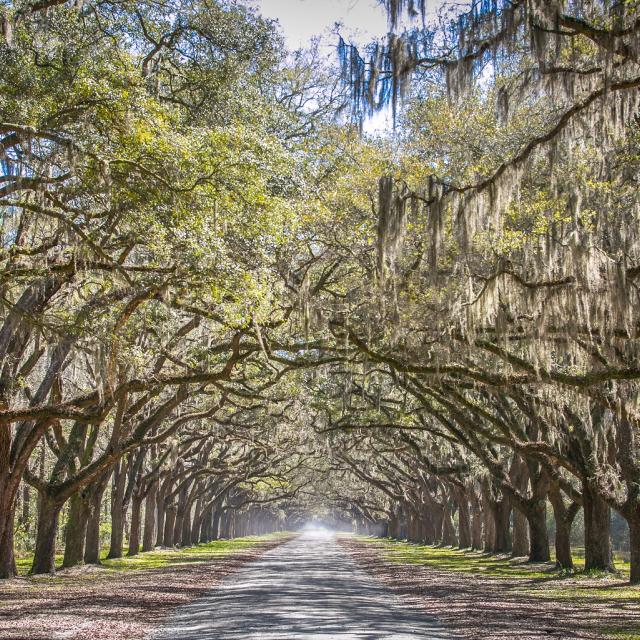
{"type": "Point", "coordinates": [490, 33]}
{"type": "Point", "coordinates": [397, 8]}
{"type": "Point", "coordinates": [391, 226]}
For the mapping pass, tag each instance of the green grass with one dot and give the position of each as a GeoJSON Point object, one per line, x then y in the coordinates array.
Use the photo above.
{"type": "Point", "coordinates": [24, 562]}
{"type": "Point", "coordinates": [477, 562]}
{"type": "Point", "coordinates": [448, 559]}
{"type": "Point", "coordinates": [530, 580]}
{"type": "Point", "coordinates": [611, 590]}
{"type": "Point", "coordinates": [188, 555]}
{"type": "Point", "coordinates": [167, 557]}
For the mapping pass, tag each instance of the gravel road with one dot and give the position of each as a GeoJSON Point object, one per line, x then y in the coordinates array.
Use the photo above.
{"type": "Point", "coordinates": [306, 589]}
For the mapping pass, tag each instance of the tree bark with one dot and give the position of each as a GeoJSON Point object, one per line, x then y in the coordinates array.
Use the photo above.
{"type": "Point", "coordinates": [148, 537]}
{"type": "Point", "coordinates": [521, 545]}
{"type": "Point", "coordinates": [134, 533]}
{"type": "Point", "coordinates": [26, 507]}
{"type": "Point", "coordinates": [215, 524]}
{"type": "Point", "coordinates": [394, 525]}
{"type": "Point", "coordinates": [448, 529]}
{"type": "Point", "coordinates": [169, 524]}
{"type": "Point", "coordinates": [161, 513]}
{"type": "Point", "coordinates": [185, 537]}
{"type": "Point", "coordinates": [634, 547]}
{"type": "Point", "coordinates": [7, 510]}
{"type": "Point", "coordinates": [413, 529]}
{"type": "Point", "coordinates": [598, 555]}
{"type": "Point", "coordinates": [181, 507]}
{"type": "Point", "coordinates": [464, 519]}
{"type": "Point", "coordinates": [205, 524]}
{"type": "Point", "coordinates": [162, 503]}
{"type": "Point", "coordinates": [196, 522]}
{"type": "Point", "coordinates": [45, 552]}
{"type": "Point", "coordinates": [118, 510]}
{"type": "Point", "coordinates": [564, 517]}
{"type": "Point", "coordinates": [539, 536]}
{"type": "Point", "coordinates": [437, 517]}
{"type": "Point", "coordinates": [225, 524]}
{"type": "Point", "coordinates": [76, 530]}
{"type": "Point", "coordinates": [501, 510]}
{"type": "Point", "coordinates": [232, 524]}
{"type": "Point", "coordinates": [489, 521]}
{"type": "Point", "coordinates": [476, 522]}
{"type": "Point", "coordinates": [92, 545]}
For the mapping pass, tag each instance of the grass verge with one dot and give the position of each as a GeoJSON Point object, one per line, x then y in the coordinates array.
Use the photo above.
{"type": "Point", "coordinates": [581, 605]}
{"type": "Point", "coordinates": [124, 598]}
{"type": "Point", "coordinates": [167, 557]}
{"type": "Point", "coordinates": [495, 566]}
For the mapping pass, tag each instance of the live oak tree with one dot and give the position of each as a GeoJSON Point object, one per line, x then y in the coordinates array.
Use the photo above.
{"type": "Point", "coordinates": [229, 305]}
{"type": "Point", "coordinates": [139, 210]}
{"type": "Point", "coordinates": [496, 276]}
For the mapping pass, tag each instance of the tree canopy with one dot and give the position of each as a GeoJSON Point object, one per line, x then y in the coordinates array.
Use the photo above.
{"type": "Point", "coordinates": [225, 301]}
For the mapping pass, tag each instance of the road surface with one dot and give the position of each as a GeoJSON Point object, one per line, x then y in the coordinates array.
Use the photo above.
{"type": "Point", "coordinates": [306, 589]}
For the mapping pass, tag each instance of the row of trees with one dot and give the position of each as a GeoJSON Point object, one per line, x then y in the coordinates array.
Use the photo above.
{"type": "Point", "coordinates": [151, 174]}
{"type": "Point", "coordinates": [489, 309]}
{"type": "Point", "coordinates": [225, 303]}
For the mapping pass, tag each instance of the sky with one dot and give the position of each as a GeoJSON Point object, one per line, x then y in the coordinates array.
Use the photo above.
{"type": "Point", "coordinates": [361, 22]}
{"type": "Point", "coordinates": [300, 20]}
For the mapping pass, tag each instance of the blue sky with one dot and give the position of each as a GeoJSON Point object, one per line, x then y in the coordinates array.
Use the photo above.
{"type": "Point", "coordinates": [300, 20]}
{"type": "Point", "coordinates": [361, 22]}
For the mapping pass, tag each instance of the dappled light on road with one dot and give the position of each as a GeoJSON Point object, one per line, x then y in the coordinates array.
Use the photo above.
{"type": "Point", "coordinates": [307, 589]}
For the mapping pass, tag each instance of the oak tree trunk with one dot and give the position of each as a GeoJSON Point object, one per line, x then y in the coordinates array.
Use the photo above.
{"type": "Point", "coordinates": [92, 544]}
{"type": "Point", "coordinates": [634, 546]}
{"type": "Point", "coordinates": [45, 552]}
{"type": "Point", "coordinates": [196, 523]}
{"type": "Point", "coordinates": [148, 536]}
{"type": "Point", "coordinates": [464, 520]}
{"type": "Point", "coordinates": [7, 511]}
{"type": "Point", "coordinates": [501, 510]}
{"type": "Point", "coordinates": [598, 555]}
{"type": "Point", "coordinates": [215, 524]}
{"type": "Point", "coordinates": [564, 517]}
{"type": "Point", "coordinates": [76, 530]}
{"type": "Point", "coordinates": [185, 533]}
{"type": "Point", "coordinates": [118, 510]}
{"type": "Point", "coordinates": [161, 513]}
{"type": "Point", "coordinates": [394, 526]}
{"type": "Point", "coordinates": [476, 524]}
{"type": "Point", "coordinates": [539, 536]}
{"type": "Point", "coordinates": [520, 534]}
{"type": "Point", "coordinates": [134, 533]}
{"type": "Point", "coordinates": [448, 528]}
{"type": "Point", "coordinates": [169, 524]}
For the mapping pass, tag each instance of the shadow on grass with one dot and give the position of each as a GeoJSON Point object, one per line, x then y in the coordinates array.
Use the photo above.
{"type": "Point", "coordinates": [161, 557]}
{"type": "Point", "coordinates": [124, 598]}
{"type": "Point", "coordinates": [478, 562]}
{"type": "Point", "coordinates": [499, 597]}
